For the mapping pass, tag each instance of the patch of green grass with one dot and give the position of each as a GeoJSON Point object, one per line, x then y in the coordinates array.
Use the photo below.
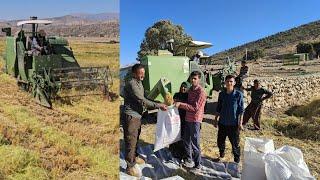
{"type": "Point", "coordinates": [99, 158]}
{"type": "Point", "coordinates": [30, 173]}
{"type": "Point", "coordinates": [102, 162]}
{"type": "Point", "coordinates": [16, 160]}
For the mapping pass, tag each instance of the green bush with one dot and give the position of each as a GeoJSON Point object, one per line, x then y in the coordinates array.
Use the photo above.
{"type": "Point", "coordinates": [306, 48]}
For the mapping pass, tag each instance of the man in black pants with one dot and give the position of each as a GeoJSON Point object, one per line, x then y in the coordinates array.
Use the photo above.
{"type": "Point", "coordinates": [229, 110]}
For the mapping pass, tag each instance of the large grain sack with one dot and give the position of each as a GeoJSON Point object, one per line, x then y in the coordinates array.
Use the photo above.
{"type": "Point", "coordinates": [168, 129]}
{"type": "Point", "coordinates": [286, 163]}
{"type": "Point", "coordinates": [253, 163]}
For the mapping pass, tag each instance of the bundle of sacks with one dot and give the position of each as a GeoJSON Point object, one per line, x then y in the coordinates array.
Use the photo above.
{"type": "Point", "coordinates": [262, 161]}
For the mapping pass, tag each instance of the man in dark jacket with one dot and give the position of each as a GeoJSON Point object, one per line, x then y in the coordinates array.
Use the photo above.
{"type": "Point", "coordinates": [229, 111]}
{"type": "Point", "coordinates": [253, 110]}
{"type": "Point", "coordinates": [135, 104]}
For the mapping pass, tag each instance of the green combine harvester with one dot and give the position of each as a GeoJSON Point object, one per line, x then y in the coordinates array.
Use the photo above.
{"type": "Point", "coordinates": [165, 72]}
{"type": "Point", "coordinates": [47, 73]}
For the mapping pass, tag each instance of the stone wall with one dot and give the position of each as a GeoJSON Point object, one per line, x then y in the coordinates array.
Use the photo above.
{"type": "Point", "coordinates": [288, 91]}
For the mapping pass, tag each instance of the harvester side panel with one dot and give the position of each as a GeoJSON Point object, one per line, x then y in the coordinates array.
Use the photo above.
{"type": "Point", "coordinates": [10, 58]}
{"type": "Point", "coordinates": [23, 72]}
{"type": "Point", "coordinates": [174, 68]}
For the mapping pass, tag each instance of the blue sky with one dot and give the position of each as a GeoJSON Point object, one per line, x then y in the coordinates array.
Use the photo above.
{"type": "Point", "coordinates": [224, 23]}
{"type": "Point", "coordinates": [19, 9]}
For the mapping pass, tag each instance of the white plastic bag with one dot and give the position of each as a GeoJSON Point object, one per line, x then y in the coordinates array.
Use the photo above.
{"type": "Point", "coordinates": [253, 164]}
{"type": "Point", "coordinates": [276, 168]}
{"type": "Point", "coordinates": [168, 129]}
{"type": "Point", "coordinates": [286, 163]}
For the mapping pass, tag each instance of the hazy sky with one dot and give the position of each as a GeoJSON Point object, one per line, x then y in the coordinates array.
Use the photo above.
{"type": "Point", "coordinates": [224, 23]}
{"type": "Point", "coordinates": [22, 9]}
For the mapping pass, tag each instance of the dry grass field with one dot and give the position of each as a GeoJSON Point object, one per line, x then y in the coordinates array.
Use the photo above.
{"type": "Point", "coordinates": [77, 141]}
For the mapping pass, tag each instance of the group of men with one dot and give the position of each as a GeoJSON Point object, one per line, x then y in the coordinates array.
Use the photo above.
{"type": "Point", "coordinates": [230, 117]}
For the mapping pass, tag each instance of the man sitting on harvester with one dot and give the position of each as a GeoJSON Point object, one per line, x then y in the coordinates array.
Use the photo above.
{"type": "Point", "coordinates": [39, 45]}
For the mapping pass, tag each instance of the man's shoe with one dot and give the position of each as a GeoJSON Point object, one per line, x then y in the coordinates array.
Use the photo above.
{"type": "Point", "coordinates": [133, 171]}
{"type": "Point", "coordinates": [236, 160]}
{"type": "Point", "coordinates": [188, 163]}
{"type": "Point", "coordinates": [139, 160]}
{"type": "Point", "coordinates": [196, 170]}
{"type": "Point", "coordinates": [222, 155]}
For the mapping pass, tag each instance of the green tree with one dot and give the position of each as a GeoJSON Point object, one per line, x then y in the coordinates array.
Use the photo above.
{"type": "Point", "coordinates": [306, 48]}
{"type": "Point", "coordinates": [156, 38]}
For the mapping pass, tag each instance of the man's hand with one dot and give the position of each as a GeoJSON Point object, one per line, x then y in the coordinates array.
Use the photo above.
{"type": "Point", "coordinates": [163, 107]}
{"type": "Point", "coordinates": [215, 122]}
{"type": "Point", "coordinates": [177, 104]}
{"type": "Point", "coordinates": [240, 127]}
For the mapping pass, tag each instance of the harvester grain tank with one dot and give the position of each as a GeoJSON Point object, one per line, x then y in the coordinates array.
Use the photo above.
{"type": "Point", "coordinates": [165, 72]}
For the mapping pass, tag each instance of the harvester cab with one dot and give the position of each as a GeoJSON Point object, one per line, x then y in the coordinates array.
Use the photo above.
{"type": "Point", "coordinates": [46, 66]}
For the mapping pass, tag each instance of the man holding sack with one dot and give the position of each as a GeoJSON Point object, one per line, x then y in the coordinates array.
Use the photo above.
{"type": "Point", "coordinates": [135, 104]}
{"type": "Point", "coordinates": [194, 115]}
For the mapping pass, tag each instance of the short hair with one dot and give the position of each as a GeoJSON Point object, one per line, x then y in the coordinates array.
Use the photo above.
{"type": "Point", "coordinates": [256, 81]}
{"type": "Point", "coordinates": [196, 73]}
{"type": "Point", "coordinates": [136, 67]}
{"type": "Point", "coordinates": [230, 77]}
{"type": "Point", "coordinates": [244, 62]}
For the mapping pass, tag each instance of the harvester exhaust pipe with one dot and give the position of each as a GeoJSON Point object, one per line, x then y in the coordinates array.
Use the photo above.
{"type": "Point", "coordinates": [33, 25]}
{"type": "Point", "coordinates": [7, 30]}
{"type": "Point", "coordinates": [170, 45]}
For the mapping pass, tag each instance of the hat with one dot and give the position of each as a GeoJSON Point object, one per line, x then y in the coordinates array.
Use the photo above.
{"type": "Point", "coordinates": [200, 53]}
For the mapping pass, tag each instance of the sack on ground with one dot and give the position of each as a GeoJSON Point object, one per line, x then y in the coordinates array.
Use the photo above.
{"type": "Point", "coordinates": [253, 164]}
{"type": "Point", "coordinates": [168, 128]}
{"type": "Point", "coordinates": [286, 163]}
